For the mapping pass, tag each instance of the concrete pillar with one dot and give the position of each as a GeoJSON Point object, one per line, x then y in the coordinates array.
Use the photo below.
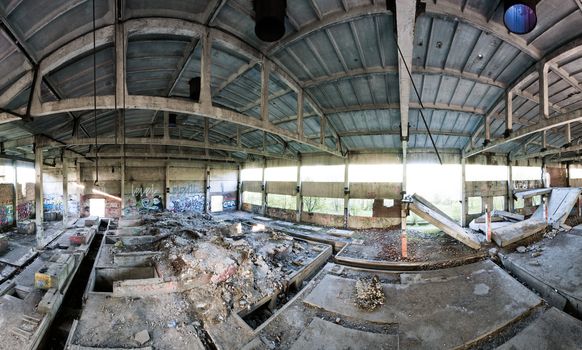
{"type": "Point", "coordinates": [263, 189]}
{"type": "Point", "coordinates": [568, 174]}
{"type": "Point", "coordinates": [16, 189]}
{"type": "Point", "coordinates": [207, 189]}
{"type": "Point", "coordinates": [487, 131]}
{"type": "Point", "coordinates": [238, 187]}
{"type": "Point", "coordinates": [65, 190]}
{"type": "Point", "coordinates": [346, 192]}
{"type": "Point", "coordinates": [464, 204]}
{"type": "Point", "coordinates": [300, 103]}
{"type": "Point", "coordinates": [122, 186]}
{"type": "Point", "coordinates": [38, 196]}
{"type": "Point", "coordinates": [568, 135]}
{"type": "Point", "coordinates": [167, 178]}
{"type": "Point", "coordinates": [404, 214]}
{"type": "Point", "coordinates": [510, 202]}
{"type": "Point", "coordinates": [298, 196]}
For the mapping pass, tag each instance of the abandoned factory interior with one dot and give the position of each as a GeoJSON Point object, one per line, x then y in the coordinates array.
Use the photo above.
{"type": "Point", "coordinates": [290, 174]}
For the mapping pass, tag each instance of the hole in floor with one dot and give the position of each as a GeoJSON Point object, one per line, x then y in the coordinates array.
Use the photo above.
{"type": "Point", "coordinates": [104, 277]}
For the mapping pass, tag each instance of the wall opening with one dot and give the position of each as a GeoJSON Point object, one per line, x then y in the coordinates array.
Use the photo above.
{"type": "Point", "coordinates": [216, 203]}
{"type": "Point", "coordinates": [475, 205]}
{"type": "Point", "coordinates": [97, 207]}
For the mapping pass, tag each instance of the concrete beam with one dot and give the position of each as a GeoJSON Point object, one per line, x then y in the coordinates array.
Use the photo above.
{"type": "Point", "coordinates": [543, 125]}
{"type": "Point", "coordinates": [411, 105]}
{"type": "Point", "coordinates": [405, 20]}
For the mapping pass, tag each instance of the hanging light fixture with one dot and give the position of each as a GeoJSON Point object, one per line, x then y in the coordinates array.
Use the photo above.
{"type": "Point", "coordinates": [270, 19]}
{"type": "Point", "coordinates": [519, 16]}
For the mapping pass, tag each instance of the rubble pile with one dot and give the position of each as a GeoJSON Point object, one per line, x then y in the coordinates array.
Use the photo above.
{"type": "Point", "coordinates": [369, 294]}
{"type": "Point", "coordinates": [227, 266]}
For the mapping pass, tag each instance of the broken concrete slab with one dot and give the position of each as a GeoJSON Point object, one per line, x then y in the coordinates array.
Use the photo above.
{"type": "Point", "coordinates": [554, 330]}
{"type": "Point", "coordinates": [435, 216]}
{"type": "Point", "coordinates": [507, 235]}
{"type": "Point", "coordinates": [262, 218]}
{"type": "Point", "coordinates": [340, 233]}
{"type": "Point", "coordinates": [556, 273]}
{"type": "Point", "coordinates": [309, 228]}
{"type": "Point", "coordinates": [532, 193]}
{"type": "Point", "coordinates": [431, 308]}
{"type": "Point", "coordinates": [142, 337]}
{"type": "Point", "coordinates": [321, 334]}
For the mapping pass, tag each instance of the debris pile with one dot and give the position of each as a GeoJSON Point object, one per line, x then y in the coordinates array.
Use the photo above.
{"type": "Point", "coordinates": [225, 266]}
{"type": "Point", "coordinates": [369, 293]}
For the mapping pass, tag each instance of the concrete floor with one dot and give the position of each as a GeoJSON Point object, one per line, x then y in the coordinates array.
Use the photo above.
{"type": "Point", "coordinates": [474, 305]}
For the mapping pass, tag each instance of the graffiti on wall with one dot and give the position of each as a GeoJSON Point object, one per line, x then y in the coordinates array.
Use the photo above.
{"type": "Point", "coordinates": [189, 203]}
{"type": "Point", "coordinates": [229, 202]}
{"type": "Point", "coordinates": [53, 203]}
{"type": "Point", "coordinates": [6, 214]}
{"type": "Point", "coordinates": [143, 199]}
{"type": "Point", "coordinates": [25, 210]}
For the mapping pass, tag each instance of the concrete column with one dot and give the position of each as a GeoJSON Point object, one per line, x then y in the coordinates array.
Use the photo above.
{"type": "Point", "coordinates": [544, 140]}
{"type": "Point", "coordinates": [265, 73]}
{"type": "Point", "coordinates": [78, 175]}
{"type": "Point", "coordinates": [464, 204]}
{"type": "Point", "coordinates": [487, 131]}
{"type": "Point", "coordinates": [38, 196]}
{"type": "Point", "coordinates": [568, 136]}
{"type": "Point", "coordinates": [65, 189]}
{"type": "Point", "coordinates": [238, 186]}
{"type": "Point", "coordinates": [298, 196]}
{"type": "Point", "coordinates": [207, 189]}
{"type": "Point", "coordinates": [167, 178]}
{"type": "Point", "coordinates": [346, 192]}
{"type": "Point", "coordinates": [16, 189]}
{"type": "Point", "coordinates": [206, 71]}
{"type": "Point", "coordinates": [404, 214]}
{"type": "Point", "coordinates": [300, 103]}
{"type": "Point", "coordinates": [568, 174]}
{"type": "Point", "coordinates": [122, 196]}
{"type": "Point", "coordinates": [263, 189]}
{"type": "Point", "coordinates": [510, 202]}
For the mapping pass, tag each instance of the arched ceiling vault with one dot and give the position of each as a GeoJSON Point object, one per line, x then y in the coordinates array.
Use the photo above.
{"type": "Point", "coordinates": [335, 83]}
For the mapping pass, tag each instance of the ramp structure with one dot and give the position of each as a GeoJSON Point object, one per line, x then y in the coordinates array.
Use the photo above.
{"type": "Point", "coordinates": [437, 217]}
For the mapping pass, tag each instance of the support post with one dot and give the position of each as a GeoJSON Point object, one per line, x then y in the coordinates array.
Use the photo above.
{"type": "Point", "coordinates": [122, 196]}
{"type": "Point", "coordinates": [510, 202]}
{"type": "Point", "coordinates": [15, 198]}
{"type": "Point", "coordinates": [298, 196]}
{"type": "Point", "coordinates": [168, 190]}
{"type": "Point", "coordinates": [568, 136]}
{"type": "Point", "coordinates": [238, 186]}
{"type": "Point", "coordinates": [65, 190]}
{"type": "Point", "coordinates": [38, 195]}
{"type": "Point", "coordinates": [346, 192]}
{"type": "Point", "coordinates": [207, 208]}
{"type": "Point", "coordinates": [464, 206]}
{"type": "Point", "coordinates": [487, 131]}
{"type": "Point", "coordinates": [404, 214]}
{"type": "Point", "coordinates": [263, 189]}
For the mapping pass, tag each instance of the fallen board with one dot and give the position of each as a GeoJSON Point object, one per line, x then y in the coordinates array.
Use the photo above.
{"type": "Point", "coordinates": [433, 215]}
{"type": "Point", "coordinates": [507, 235]}
{"type": "Point", "coordinates": [561, 202]}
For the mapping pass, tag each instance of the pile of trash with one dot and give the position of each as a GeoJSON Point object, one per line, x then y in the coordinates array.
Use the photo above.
{"type": "Point", "coordinates": [369, 294]}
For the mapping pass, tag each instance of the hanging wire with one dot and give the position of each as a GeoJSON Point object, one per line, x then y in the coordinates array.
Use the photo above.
{"type": "Point", "coordinates": [419, 100]}
{"type": "Point", "coordinates": [95, 98]}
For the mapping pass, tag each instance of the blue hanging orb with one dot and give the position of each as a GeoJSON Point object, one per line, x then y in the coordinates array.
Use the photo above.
{"type": "Point", "coordinates": [520, 16]}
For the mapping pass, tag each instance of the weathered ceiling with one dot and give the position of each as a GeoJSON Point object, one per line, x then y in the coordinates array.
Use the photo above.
{"type": "Point", "coordinates": [338, 56]}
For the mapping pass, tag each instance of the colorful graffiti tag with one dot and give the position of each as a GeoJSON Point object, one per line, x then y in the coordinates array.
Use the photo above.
{"type": "Point", "coordinates": [181, 203]}
{"type": "Point", "coordinates": [228, 204]}
{"type": "Point", "coordinates": [6, 214]}
{"type": "Point", "coordinates": [143, 199]}
{"type": "Point", "coordinates": [25, 210]}
{"type": "Point", "coordinates": [53, 203]}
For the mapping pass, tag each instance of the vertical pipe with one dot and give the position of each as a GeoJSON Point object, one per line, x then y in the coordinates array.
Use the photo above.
{"type": "Point", "coordinates": [263, 189]}
{"type": "Point", "coordinates": [16, 189]}
{"type": "Point", "coordinates": [464, 207]}
{"type": "Point", "coordinates": [207, 207]}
